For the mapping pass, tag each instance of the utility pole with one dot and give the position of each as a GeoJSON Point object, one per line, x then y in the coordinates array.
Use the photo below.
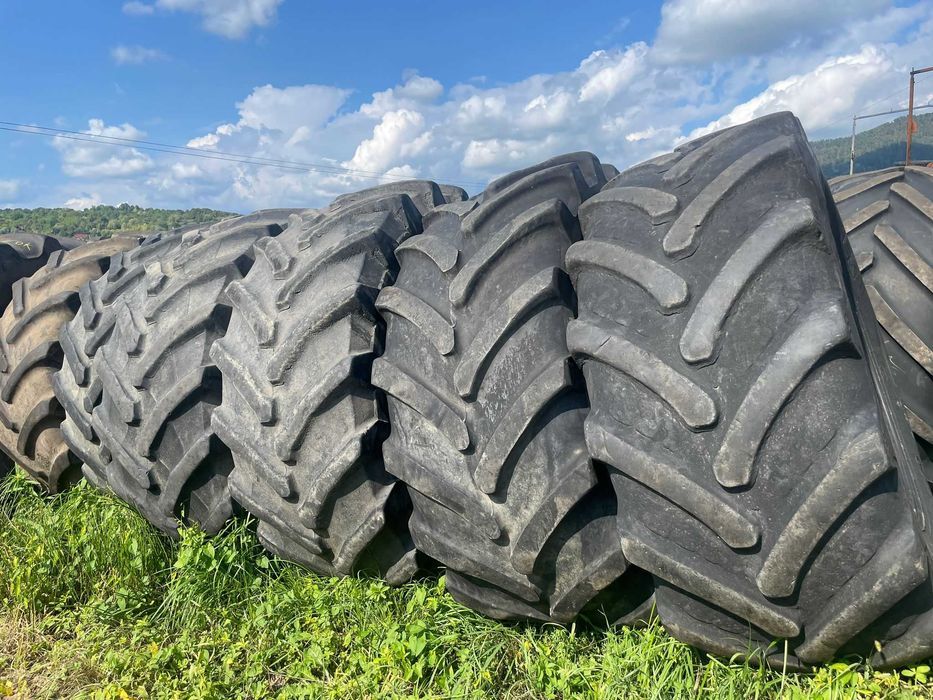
{"type": "Point", "coordinates": [910, 109]}
{"type": "Point", "coordinates": [852, 149]}
{"type": "Point", "coordinates": [870, 116]}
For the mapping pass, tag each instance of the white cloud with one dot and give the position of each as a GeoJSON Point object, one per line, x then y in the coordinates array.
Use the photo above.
{"type": "Point", "coordinates": [643, 135]}
{"type": "Point", "coordinates": [835, 87]}
{"type": "Point", "coordinates": [414, 93]}
{"type": "Point", "coordinates": [88, 159]}
{"type": "Point", "coordinates": [610, 73]}
{"type": "Point", "coordinates": [9, 189]}
{"type": "Point", "coordinates": [696, 31]}
{"type": "Point", "coordinates": [82, 201]}
{"type": "Point", "coordinates": [124, 55]}
{"type": "Point", "coordinates": [625, 104]}
{"type": "Point", "coordinates": [288, 109]}
{"type": "Point", "coordinates": [134, 7]}
{"type": "Point", "coordinates": [229, 18]}
{"type": "Point", "coordinates": [496, 152]}
{"type": "Point", "coordinates": [398, 134]}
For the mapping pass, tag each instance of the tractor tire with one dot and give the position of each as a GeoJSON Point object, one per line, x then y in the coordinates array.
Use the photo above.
{"type": "Point", "coordinates": [21, 254]}
{"type": "Point", "coordinates": [30, 354]}
{"type": "Point", "coordinates": [70, 243]}
{"type": "Point", "coordinates": [888, 216]}
{"type": "Point", "coordinates": [299, 413]}
{"type": "Point", "coordinates": [156, 383]}
{"type": "Point", "coordinates": [487, 407]}
{"type": "Point", "coordinates": [741, 400]}
{"type": "Point", "coordinates": [77, 386]}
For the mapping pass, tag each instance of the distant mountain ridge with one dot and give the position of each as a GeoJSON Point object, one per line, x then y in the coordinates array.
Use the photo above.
{"type": "Point", "coordinates": [102, 220]}
{"type": "Point", "coordinates": [876, 148]}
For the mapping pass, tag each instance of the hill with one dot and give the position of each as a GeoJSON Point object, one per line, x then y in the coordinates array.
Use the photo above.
{"type": "Point", "coordinates": [103, 220]}
{"type": "Point", "coordinates": [880, 147]}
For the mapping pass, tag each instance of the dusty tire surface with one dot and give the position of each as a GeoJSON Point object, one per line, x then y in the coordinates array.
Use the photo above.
{"type": "Point", "coordinates": [740, 400]}
{"type": "Point", "coordinates": [888, 217]}
{"type": "Point", "coordinates": [30, 354]}
{"type": "Point", "coordinates": [487, 407]}
{"type": "Point", "coordinates": [141, 418]}
{"type": "Point", "coordinates": [21, 254]}
{"type": "Point", "coordinates": [299, 413]}
{"type": "Point", "coordinates": [77, 385]}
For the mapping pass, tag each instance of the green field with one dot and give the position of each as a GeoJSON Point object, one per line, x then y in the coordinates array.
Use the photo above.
{"type": "Point", "coordinates": [96, 604]}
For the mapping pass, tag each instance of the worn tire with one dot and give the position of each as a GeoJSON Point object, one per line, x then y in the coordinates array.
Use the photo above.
{"type": "Point", "coordinates": [888, 216]}
{"type": "Point", "coordinates": [77, 386]}
{"type": "Point", "coordinates": [30, 355]}
{"type": "Point", "coordinates": [21, 254]}
{"type": "Point", "coordinates": [299, 413]}
{"type": "Point", "coordinates": [487, 407]}
{"type": "Point", "coordinates": [157, 385]}
{"type": "Point", "coordinates": [740, 398]}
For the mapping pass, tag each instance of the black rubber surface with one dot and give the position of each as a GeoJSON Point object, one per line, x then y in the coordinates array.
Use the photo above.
{"type": "Point", "coordinates": [888, 216]}
{"type": "Point", "coordinates": [487, 406]}
{"type": "Point", "coordinates": [741, 401]}
{"type": "Point", "coordinates": [30, 355]}
{"type": "Point", "coordinates": [21, 254]}
{"type": "Point", "coordinates": [299, 412]}
{"type": "Point", "coordinates": [152, 387]}
{"type": "Point", "coordinates": [77, 385]}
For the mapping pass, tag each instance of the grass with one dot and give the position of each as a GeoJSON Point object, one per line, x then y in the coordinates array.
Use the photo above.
{"type": "Point", "coordinates": [95, 604]}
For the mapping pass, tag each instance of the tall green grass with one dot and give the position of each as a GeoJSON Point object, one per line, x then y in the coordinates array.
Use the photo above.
{"type": "Point", "coordinates": [93, 603]}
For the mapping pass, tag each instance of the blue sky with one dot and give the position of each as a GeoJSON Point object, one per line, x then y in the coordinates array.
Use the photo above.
{"type": "Point", "coordinates": [454, 92]}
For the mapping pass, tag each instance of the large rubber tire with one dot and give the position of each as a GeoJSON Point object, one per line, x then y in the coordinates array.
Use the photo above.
{"type": "Point", "coordinates": [30, 354]}
{"type": "Point", "coordinates": [741, 400]}
{"type": "Point", "coordinates": [487, 407]}
{"type": "Point", "coordinates": [298, 411]}
{"type": "Point", "coordinates": [77, 385]}
{"type": "Point", "coordinates": [21, 254]}
{"type": "Point", "coordinates": [70, 243]}
{"type": "Point", "coordinates": [888, 216]}
{"type": "Point", "coordinates": [158, 385]}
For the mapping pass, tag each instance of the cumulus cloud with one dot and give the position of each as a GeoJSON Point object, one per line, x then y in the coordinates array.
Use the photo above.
{"type": "Point", "coordinates": [288, 109]}
{"type": "Point", "coordinates": [397, 134]}
{"type": "Point", "coordinates": [229, 18]}
{"type": "Point", "coordinates": [625, 104]}
{"type": "Point", "coordinates": [609, 74]}
{"type": "Point", "coordinates": [696, 31]}
{"type": "Point", "coordinates": [88, 159]}
{"type": "Point", "coordinates": [82, 201]}
{"type": "Point", "coordinates": [124, 55]}
{"type": "Point", "coordinates": [815, 97]}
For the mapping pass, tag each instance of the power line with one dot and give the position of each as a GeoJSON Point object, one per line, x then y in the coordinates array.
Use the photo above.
{"type": "Point", "coordinates": [194, 152]}
{"type": "Point", "coordinates": [865, 107]}
{"type": "Point", "coordinates": [54, 131]}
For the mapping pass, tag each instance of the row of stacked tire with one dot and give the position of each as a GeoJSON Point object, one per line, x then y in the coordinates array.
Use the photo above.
{"type": "Point", "coordinates": [580, 392]}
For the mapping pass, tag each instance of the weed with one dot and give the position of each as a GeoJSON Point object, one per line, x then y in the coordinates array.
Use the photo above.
{"type": "Point", "coordinates": [95, 604]}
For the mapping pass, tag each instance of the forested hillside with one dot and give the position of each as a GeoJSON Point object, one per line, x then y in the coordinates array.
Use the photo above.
{"type": "Point", "coordinates": [103, 220]}
{"type": "Point", "coordinates": [876, 148]}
